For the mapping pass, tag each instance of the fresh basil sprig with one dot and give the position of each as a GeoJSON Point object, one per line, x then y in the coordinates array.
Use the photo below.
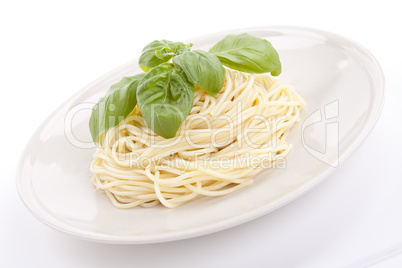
{"type": "Point", "coordinates": [160, 51]}
{"type": "Point", "coordinates": [165, 93]}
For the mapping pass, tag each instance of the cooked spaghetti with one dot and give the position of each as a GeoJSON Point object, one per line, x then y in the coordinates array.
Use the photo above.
{"type": "Point", "coordinates": [224, 142]}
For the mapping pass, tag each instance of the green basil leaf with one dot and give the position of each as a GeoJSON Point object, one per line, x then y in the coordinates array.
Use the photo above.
{"type": "Point", "coordinates": [164, 54]}
{"type": "Point", "coordinates": [247, 53]}
{"type": "Point", "coordinates": [165, 97]}
{"type": "Point", "coordinates": [160, 51]}
{"type": "Point", "coordinates": [111, 109]}
{"type": "Point", "coordinates": [203, 69]}
{"type": "Point", "coordinates": [145, 69]}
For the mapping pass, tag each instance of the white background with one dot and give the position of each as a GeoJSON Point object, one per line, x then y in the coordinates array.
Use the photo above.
{"type": "Point", "coordinates": [49, 50]}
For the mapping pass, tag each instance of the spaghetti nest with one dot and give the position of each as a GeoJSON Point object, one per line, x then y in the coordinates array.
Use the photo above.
{"type": "Point", "coordinates": [224, 142]}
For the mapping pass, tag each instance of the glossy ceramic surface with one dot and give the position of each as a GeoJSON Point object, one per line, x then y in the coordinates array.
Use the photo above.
{"type": "Point", "coordinates": [341, 82]}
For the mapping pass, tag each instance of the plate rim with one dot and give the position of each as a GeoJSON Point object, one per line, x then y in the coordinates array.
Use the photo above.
{"type": "Point", "coordinates": [239, 218]}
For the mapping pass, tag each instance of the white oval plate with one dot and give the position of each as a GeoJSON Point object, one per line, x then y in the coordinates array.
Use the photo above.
{"type": "Point", "coordinates": [341, 82]}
